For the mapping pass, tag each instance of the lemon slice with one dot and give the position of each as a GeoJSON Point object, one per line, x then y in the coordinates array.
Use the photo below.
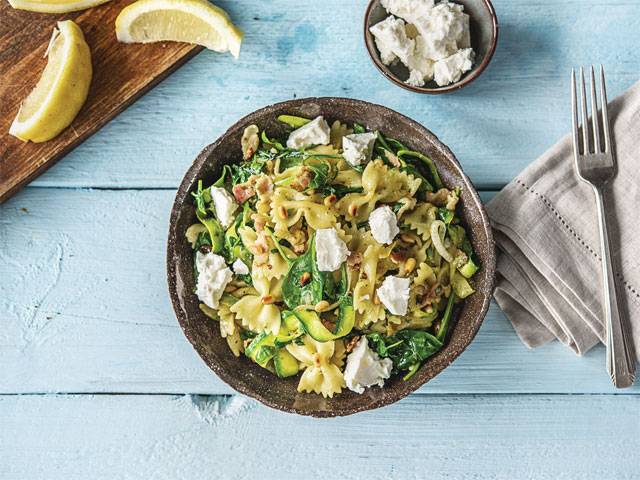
{"type": "Point", "coordinates": [191, 21]}
{"type": "Point", "coordinates": [54, 6]}
{"type": "Point", "coordinates": [62, 89]}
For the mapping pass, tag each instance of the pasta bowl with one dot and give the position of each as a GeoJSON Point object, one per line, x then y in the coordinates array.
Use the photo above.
{"type": "Point", "coordinates": [244, 375]}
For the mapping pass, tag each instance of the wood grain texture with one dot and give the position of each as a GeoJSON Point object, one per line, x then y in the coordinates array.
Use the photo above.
{"type": "Point", "coordinates": [84, 304]}
{"type": "Point", "coordinates": [121, 73]}
{"type": "Point", "coordinates": [470, 437]}
{"type": "Point", "coordinates": [514, 112]}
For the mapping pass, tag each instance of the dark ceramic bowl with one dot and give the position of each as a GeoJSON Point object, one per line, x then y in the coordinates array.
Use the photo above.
{"type": "Point", "coordinates": [483, 24]}
{"type": "Point", "coordinates": [244, 375]}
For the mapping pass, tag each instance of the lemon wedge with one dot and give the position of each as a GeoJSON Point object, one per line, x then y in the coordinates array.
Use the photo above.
{"type": "Point", "coordinates": [62, 89]}
{"type": "Point", "coordinates": [54, 6]}
{"type": "Point", "coordinates": [191, 21]}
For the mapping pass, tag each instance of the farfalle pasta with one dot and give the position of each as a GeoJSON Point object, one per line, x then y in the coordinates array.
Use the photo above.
{"type": "Point", "coordinates": [343, 258]}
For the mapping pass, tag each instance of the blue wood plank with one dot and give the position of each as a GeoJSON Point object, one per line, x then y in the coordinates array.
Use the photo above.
{"type": "Point", "coordinates": [469, 437]}
{"type": "Point", "coordinates": [499, 124]}
{"type": "Point", "coordinates": [85, 309]}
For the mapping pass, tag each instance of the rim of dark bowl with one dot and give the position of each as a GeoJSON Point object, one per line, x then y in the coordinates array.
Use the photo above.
{"type": "Point", "coordinates": [463, 82]}
{"type": "Point", "coordinates": [430, 368]}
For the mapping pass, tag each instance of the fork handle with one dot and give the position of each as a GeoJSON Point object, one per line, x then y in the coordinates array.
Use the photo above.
{"type": "Point", "coordinates": [621, 363]}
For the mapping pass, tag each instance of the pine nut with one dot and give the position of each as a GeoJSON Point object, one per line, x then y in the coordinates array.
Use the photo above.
{"type": "Point", "coordinates": [268, 300]}
{"type": "Point", "coordinates": [406, 238]}
{"type": "Point", "coordinates": [304, 278]}
{"type": "Point", "coordinates": [353, 209]}
{"type": "Point", "coordinates": [321, 306]}
{"type": "Point", "coordinates": [330, 200]}
{"type": "Point", "coordinates": [409, 265]}
{"type": "Point", "coordinates": [282, 212]}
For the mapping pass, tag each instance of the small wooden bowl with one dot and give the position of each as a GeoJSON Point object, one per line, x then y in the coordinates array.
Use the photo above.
{"type": "Point", "coordinates": [483, 23]}
{"type": "Point", "coordinates": [244, 375]}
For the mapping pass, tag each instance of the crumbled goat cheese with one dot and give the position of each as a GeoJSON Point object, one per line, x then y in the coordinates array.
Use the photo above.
{"type": "Point", "coordinates": [407, 9]}
{"type": "Point", "coordinates": [357, 147]}
{"type": "Point", "coordinates": [433, 33]}
{"type": "Point", "coordinates": [240, 268]}
{"type": "Point", "coordinates": [365, 368]}
{"type": "Point", "coordinates": [391, 38]}
{"type": "Point", "coordinates": [331, 251]}
{"type": "Point", "coordinates": [224, 205]}
{"type": "Point", "coordinates": [213, 277]}
{"type": "Point", "coordinates": [394, 294]}
{"type": "Point", "coordinates": [450, 69]}
{"type": "Point", "coordinates": [316, 132]}
{"type": "Point", "coordinates": [383, 224]}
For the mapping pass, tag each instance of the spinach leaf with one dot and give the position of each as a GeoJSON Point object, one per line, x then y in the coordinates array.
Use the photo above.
{"type": "Point", "coordinates": [425, 185]}
{"type": "Point", "coordinates": [357, 128]}
{"type": "Point", "coordinates": [201, 198]}
{"type": "Point", "coordinates": [445, 215]}
{"type": "Point", "coordinates": [446, 316]}
{"type": "Point", "coordinates": [411, 156]}
{"type": "Point", "coordinates": [339, 190]}
{"type": "Point", "coordinates": [294, 292]}
{"type": "Point", "coordinates": [241, 172]}
{"type": "Point", "coordinates": [407, 348]}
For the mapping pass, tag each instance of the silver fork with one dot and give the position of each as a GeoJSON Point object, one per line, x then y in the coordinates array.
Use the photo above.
{"type": "Point", "coordinates": [596, 166]}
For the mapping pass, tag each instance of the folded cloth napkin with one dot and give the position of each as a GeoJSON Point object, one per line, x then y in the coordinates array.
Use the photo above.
{"type": "Point", "coordinates": [545, 223]}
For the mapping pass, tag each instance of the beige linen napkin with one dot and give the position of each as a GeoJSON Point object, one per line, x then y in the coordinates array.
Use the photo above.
{"type": "Point", "coordinates": [545, 224]}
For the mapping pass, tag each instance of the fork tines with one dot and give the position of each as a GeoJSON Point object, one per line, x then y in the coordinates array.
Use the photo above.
{"type": "Point", "coordinates": [581, 129]}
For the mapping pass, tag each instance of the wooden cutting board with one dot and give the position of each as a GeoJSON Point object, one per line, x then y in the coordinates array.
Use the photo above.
{"type": "Point", "coordinates": [121, 74]}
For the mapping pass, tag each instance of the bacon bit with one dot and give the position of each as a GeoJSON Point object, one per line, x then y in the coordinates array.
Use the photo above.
{"type": "Point", "coordinates": [205, 249]}
{"type": "Point", "coordinates": [439, 198]}
{"type": "Point", "coordinates": [328, 325]}
{"type": "Point", "coordinates": [303, 180]}
{"type": "Point", "coordinates": [268, 300]}
{"type": "Point", "coordinates": [399, 255]}
{"type": "Point", "coordinates": [352, 343]}
{"type": "Point", "coordinates": [243, 192]}
{"type": "Point", "coordinates": [354, 260]}
{"type": "Point", "coordinates": [432, 296]}
{"type": "Point", "coordinates": [249, 153]}
{"type": "Point", "coordinates": [352, 210]}
{"type": "Point", "coordinates": [304, 278]}
{"type": "Point", "coordinates": [259, 222]}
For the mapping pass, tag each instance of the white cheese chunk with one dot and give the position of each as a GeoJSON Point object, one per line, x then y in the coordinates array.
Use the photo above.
{"type": "Point", "coordinates": [224, 204]}
{"type": "Point", "coordinates": [240, 268]}
{"type": "Point", "coordinates": [391, 37]}
{"type": "Point", "coordinates": [358, 147]}
{"type": "Point", "coordinates": [383, 224]}
{"type": "Point", "coordinates": [365, 368]}
{"type": "Point", "coordinates": [394, 294]}
{"type": "Point", "coordinates": [408, 9]}
{"type": "Point", "coordinates": [331, 251]}
{"type": "Point", "coordinates": [316, 132]}
{"type": "Point", "coordinates": [213, 277]}
{"type": "Point", "coordinates": [450, 69]}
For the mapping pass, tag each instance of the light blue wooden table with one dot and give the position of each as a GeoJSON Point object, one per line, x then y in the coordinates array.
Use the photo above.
{"type": "Point", "coordinates": [96, 378]}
